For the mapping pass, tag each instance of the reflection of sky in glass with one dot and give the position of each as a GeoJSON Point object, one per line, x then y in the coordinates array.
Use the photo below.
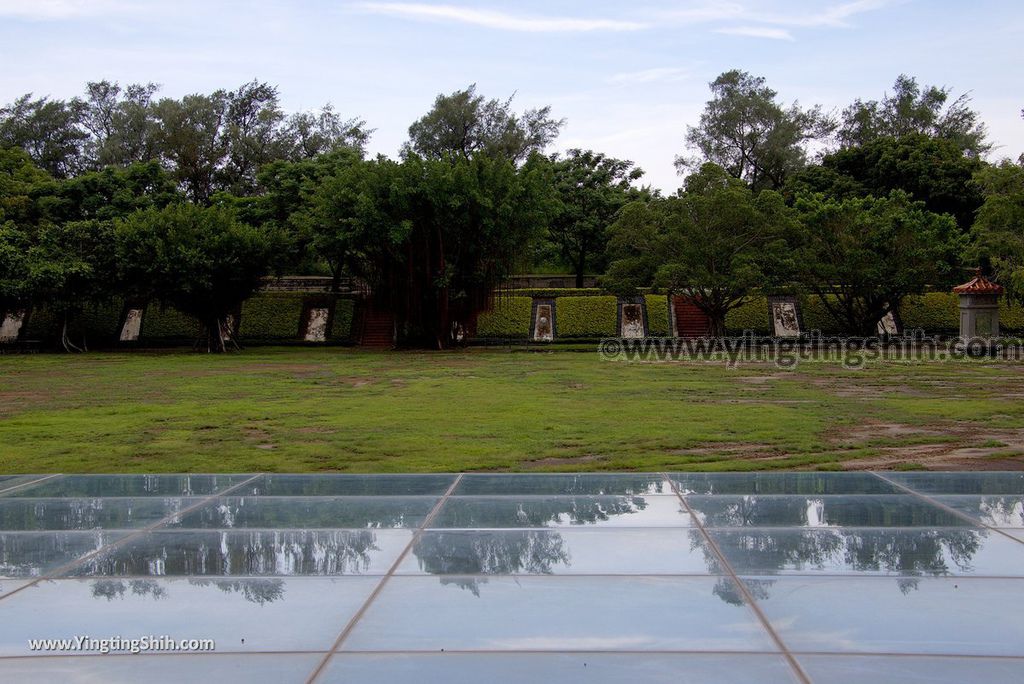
{"type": "Point", "coordinates": [495, 575]}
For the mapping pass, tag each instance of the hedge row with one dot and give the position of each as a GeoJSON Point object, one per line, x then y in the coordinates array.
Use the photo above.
{"type": "Point", "coordinates": [587, 316]}
{"type": "Point", "coordinates": [269, 317]}
{"type": "Point", "coordinates": [508, 319]}
{"type": "Point", "coordinates": [657, 315]}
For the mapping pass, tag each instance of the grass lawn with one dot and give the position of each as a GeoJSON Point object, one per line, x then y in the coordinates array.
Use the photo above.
{"type": "Point", "coordinates": [298, 410]}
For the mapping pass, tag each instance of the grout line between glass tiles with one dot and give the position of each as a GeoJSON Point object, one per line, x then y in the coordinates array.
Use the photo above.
{"type": "Point", "coordinates": [948, 509]}
{"type": "Point", "coordinates": [63, 569]}
{"type": "Point", "coordinates": [347, 630]}
{"type": "Point", "coordinates": [29, 483]}
{"type": "Point", "coordinates": [798, 670]}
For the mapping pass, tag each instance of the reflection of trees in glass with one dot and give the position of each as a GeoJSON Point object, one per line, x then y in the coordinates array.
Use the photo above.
{"type": "Point", "coordinates": [537, 511]}
{"type": "Point", "coordinates": [999, 511]}
{"type": "Point", "coordinates": [284, 552]}
{"type": "Point", "coordinates": [111, 589]}
{"type": "Point", "coordinates": [480, 553]}
{"type": "Point", "coordinates": [825, 511]}
{"type": "Point", "coordinates": [260, 591]}
{"type": "Point", "coordinates": [567, 484]}
{"type": "Point", "coordinates": [25, 514]}
{"type": "Point", "coordinates": [380, 512]}
{"type": "Point", "coordinates": [32, 555]}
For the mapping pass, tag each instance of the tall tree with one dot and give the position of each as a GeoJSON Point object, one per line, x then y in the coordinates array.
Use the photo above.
{"type": "Point", "coordinates": [121, 123]}
{"type": "Point", "coordinates": [201, 260]}
{"type": "Point", "coordinates": [861, 257]}
{"type": "Point", "coordinates": [49, 131]}
{"type": "Point", "coordinates": [748, 132]}
{"type": "Point", "coordinates": [716, 241]}
{"type": "Point", "coordinates": [25, 197]}
{"type": "Point", "coordinates": [911, 109]}
{"type": "Point", "coordinates": [591, 189]}
{"type": "Point", "coordinates": [191, 141]}
{"type": "Point", "coordinates": [464, 124]}
{"type": "Point", "coordinates": [931, 170]}
{"type": "Point", "coordinates": [998, 234]}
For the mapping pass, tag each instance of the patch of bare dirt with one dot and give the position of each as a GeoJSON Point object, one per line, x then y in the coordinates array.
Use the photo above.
{"type": "Point", "coordinates": [968, 449]}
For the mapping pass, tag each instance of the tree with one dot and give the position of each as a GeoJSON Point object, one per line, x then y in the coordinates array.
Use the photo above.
{"type": "Point", "coordinates": [591, 189]}
{"type": "Point", "coordinates": [913, 110]}
{"type": "Point", "coordinates": [433, 238]}
{"type": "Point", "coordinates": [71, 264]}
{"type": "Point", "coordinates": [25, 194]}
{"type": "Point", "coordinates": [931, 170]}
{"type": "Point", "coordinates": [121, 123]}
{"type": "Point", "coordinates": [191, 142]}
{"type": "Point", "coordinates": [861, 257]}
{"type": "Point", "coordinates": [200, 260]}
{"type": "Point", "coordinates": [49, 131]}
{"type": "Point", "coordinates": [998, 234]}
{"type": "Point", "coordinates": [716, 241]}
{"type": "Point", "coordinates": [746, 131]}
{"type": "Point", "coordinates": [464, 124]}
{"type": "Point", "coordinates": [311, 134]}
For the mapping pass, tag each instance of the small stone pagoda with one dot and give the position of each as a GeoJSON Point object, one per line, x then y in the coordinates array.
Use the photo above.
{"type": "Point", "coordinates": [979, 307]}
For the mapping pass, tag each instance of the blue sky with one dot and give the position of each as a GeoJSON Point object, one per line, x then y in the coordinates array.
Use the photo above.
{"type": "Point", "coordinates": [628, 76]}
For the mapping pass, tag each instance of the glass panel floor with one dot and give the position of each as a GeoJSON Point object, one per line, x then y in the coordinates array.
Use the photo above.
{"type": "Point", "coordinates": [730, 577]}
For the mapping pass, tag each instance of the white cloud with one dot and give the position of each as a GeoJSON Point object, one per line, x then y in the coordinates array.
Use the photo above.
{"type": "Point", "coordinates": [498, 20]}
{"type": "Point", "coordinates": [833, 16]}
{"type": "Point", "coordinates": [58, 9]}
{"type": "Point", "coordinates": [756, 32]}
{"type": "Point", "coordinates": [652, 75]}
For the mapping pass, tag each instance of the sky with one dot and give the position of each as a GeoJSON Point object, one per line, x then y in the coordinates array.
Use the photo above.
{"type": "Point", "coordinates": [628, 77]}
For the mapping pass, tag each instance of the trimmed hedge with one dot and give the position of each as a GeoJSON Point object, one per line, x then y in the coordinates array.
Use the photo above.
{"type": "Point", "coordinates": [271, 317]}
{"type": "Point", "coordinates": [166, 325]}
{"type": "Point", "coordinates": [657, 315]}
{"type": "Point", "coordinates": [508, 318]}
{"type": "Point", "coordinates": [344, 314]}
{"type": "Point", "coordinates": [933, 312]}
{"type": "Point", "coordinates": [96, 324]}
{"type": "Point", "coordinates": [587, 316]}
{"type": "Point", "coordinates": [752, 316]}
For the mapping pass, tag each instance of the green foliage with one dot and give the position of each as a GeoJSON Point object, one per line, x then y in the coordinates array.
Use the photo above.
{"type": "Point", "coordinates": [745, 130]}
{"type": "Point", "coordinates": [752, 315]}
{"type": "Point", "coordinates": [870, 253]}
{"type": "Point", "coordinates": [587, 316]}
{"type": "Point", "coordinates": [930, 170]}
{"type": "Point", "coordinates": [201, 261]}
{"type": "Point", "coordinates": [818, 316]}
{"type": "Point", "coordinates": [167, 325]}
{"type": "Point", "coordinates": [915, 110]}
{"type": "Point", "coordinates": [657, 315]}
{"type": "Point", "coordinates": [998, 233]}
{"type": "Point", "coordinates": [508, 319]}
{"type": "Point", "coordinates": [271, 316]}
{"type": "Point", "coordinates": [933, 312]}
{"type": "Point", "coordinates": [344, 315]}
{"type": "Point", "coordinates": [464, 124]}
{"type": "Point", "coordinates": [591, 188]}
{"type": "Point", "coordinates": [717, 240]}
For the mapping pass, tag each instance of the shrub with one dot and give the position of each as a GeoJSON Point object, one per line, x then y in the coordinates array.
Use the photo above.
{"type": "Point", "coordinates": [271, 316]}
{"type": "Point", "coordinates": [97, 324]}
{"type": "Point", "coordinates": [344, 313]}
{"type": "Point", "coordinates": [933, 312]}
{"type": "Point", "coordinates": [509, 318]}
{"type": "Point", "coordinates": [553, 292]}
{"type": "Point", "coordinates": [165, 325]}
{"type": "Point", "coordinates": [587, 316]}
{"type": "Point", "coordinates": [657, 315]}
{"type": "Point", "coordinates": [752, 315]}
{"type": "Point", "coordinates": [818, 318]}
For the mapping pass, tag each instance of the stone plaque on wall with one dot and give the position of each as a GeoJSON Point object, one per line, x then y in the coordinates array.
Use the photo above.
{"type": "Point", "coordinates": [132, 326]}
{"type": "Point", "coordinates": [889, 324]}
{"type": "Point", "coordinates": [632, 321]}
{"type": "Point", "coordinates": [316, 325]}
{"type": "Point", "coordinates": [10, 326]}
{"type": "Point", "coordinates": [543, 325]}
{"type": "Point", "coordinates": [785, 316]}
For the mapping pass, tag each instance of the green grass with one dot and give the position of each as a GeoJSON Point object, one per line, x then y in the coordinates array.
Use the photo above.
{"type": "Point", "coordinates": [302, 409]}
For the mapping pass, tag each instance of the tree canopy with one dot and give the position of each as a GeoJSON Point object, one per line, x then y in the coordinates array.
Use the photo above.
{"type": "Point", "coordinates": [748, 132]}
